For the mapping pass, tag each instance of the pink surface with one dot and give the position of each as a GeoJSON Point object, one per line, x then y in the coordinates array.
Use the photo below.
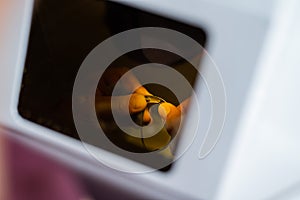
{"type": "Point", "coordinates": [33, 176]}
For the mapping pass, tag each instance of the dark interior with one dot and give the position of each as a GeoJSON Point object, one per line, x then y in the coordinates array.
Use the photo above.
{"type": "Point", "coordinates": [63, 32]}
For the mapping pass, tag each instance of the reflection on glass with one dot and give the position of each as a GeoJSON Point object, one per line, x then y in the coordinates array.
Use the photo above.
{"type": "Point", "coordinates": [63, 33]}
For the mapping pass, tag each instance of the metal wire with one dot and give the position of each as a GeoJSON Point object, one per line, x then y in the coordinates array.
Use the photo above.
{"type": "Point", "coordinates": [151, 100]}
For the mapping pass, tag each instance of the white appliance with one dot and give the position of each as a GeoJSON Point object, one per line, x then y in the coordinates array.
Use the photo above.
{"type": "Point", "coordinates": [255, 45]}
